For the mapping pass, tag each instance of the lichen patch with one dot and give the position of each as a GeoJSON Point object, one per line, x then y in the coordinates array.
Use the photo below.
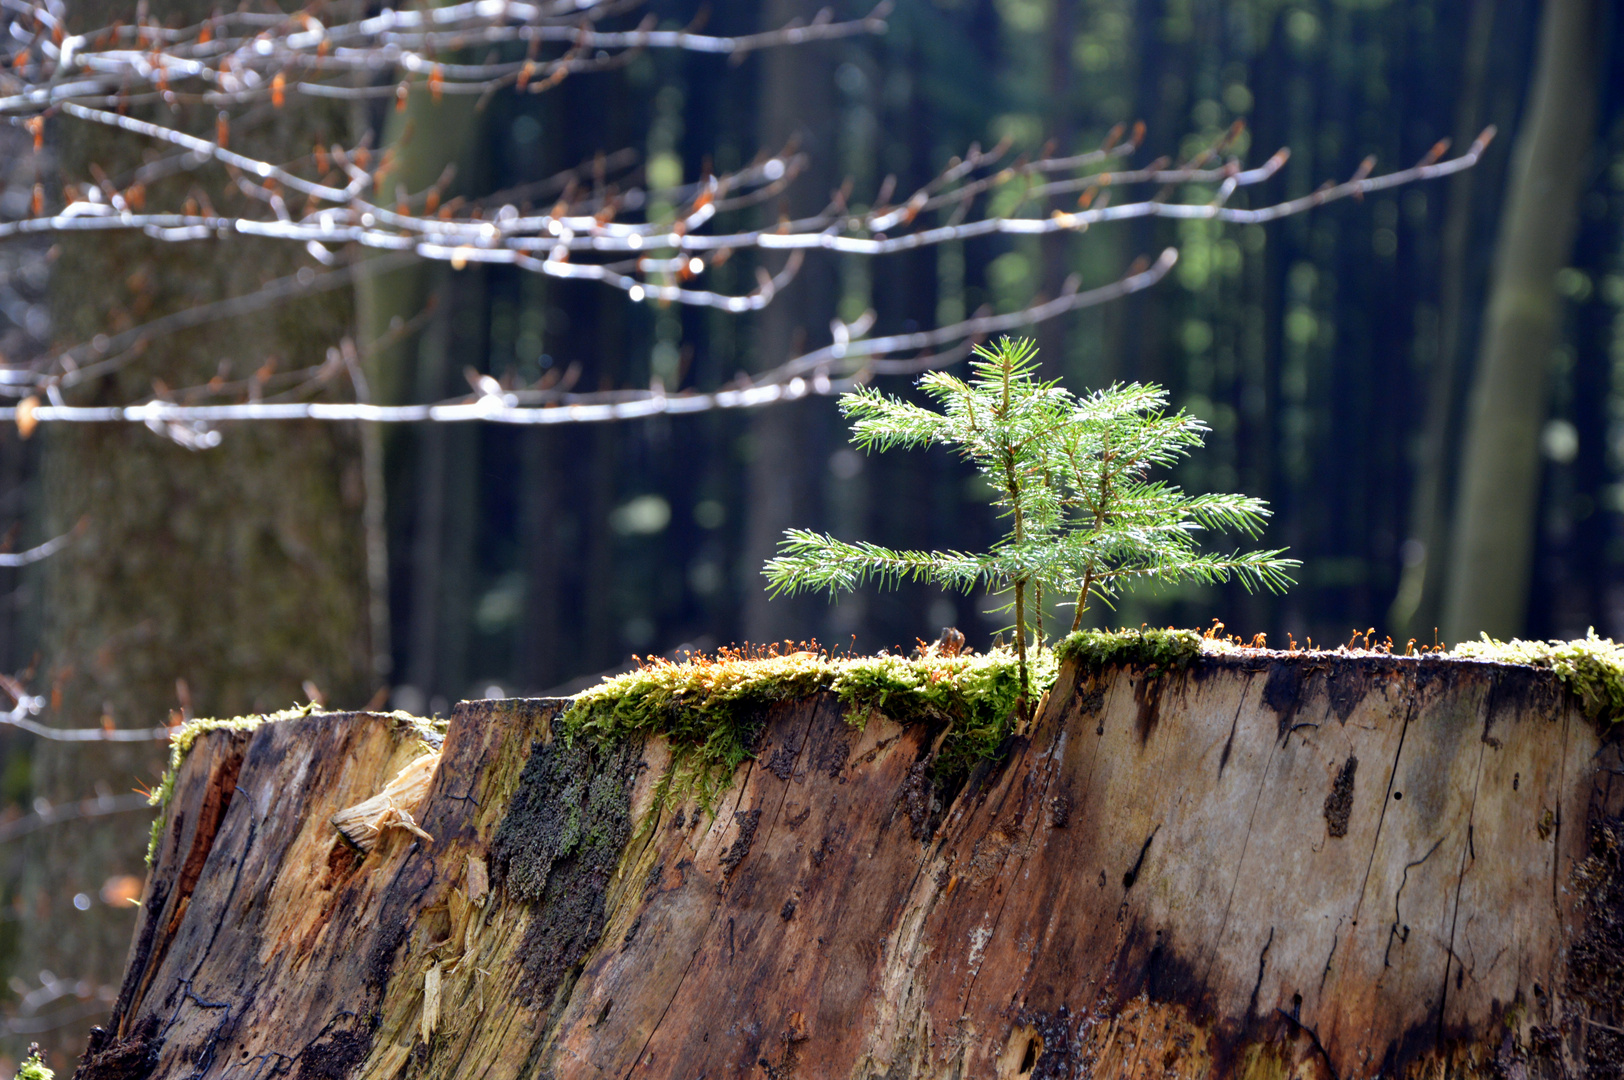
{"type": "Point", "coordinates": [557, 850]}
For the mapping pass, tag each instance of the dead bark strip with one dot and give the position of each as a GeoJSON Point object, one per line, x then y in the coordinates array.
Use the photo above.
{"type": "Point", "coordinates": [1268, 865]}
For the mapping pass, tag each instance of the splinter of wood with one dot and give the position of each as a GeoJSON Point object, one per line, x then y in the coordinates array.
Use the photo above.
{"type": "Point", "coordinates": [391, 808]}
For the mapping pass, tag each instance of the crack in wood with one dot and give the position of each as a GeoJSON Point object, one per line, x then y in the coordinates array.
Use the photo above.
{"type": "Point", "coordinates": [1460, 882]}
{"type": "Point", "coordinates": [1262, 964]}
{"type": "Point", "coordinates": [1132, 875]}
{"type": "Point", "coordinates": [1381, 818]}
{"type": "Point", "coordinates": [1398, 919]}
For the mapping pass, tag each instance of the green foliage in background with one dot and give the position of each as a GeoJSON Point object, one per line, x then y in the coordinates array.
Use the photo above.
{"type": "Point", "coordinates": [1069, 474]}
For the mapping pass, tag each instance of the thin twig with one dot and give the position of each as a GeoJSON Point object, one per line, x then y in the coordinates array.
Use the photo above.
{"type": "Point", "coordinates": [157, 734]}
{"type": "Point", "coordinates": [32, 705]}
{"type": "Point", "coordinates": [81, 361]}
{"type": "Point", "coordinates": [242, 58]}
{"type": "Point", "coordinates": [783, 384]}
{"type": "Point", "coordinates": [35, 554]}
{"type": "Point", "coordinates": [100, 806]}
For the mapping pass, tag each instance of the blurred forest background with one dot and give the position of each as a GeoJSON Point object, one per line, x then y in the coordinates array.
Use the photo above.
{"type": "Point", "coordinates": [1340, 356]}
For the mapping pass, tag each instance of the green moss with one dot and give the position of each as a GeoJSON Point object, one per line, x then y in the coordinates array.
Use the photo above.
{"type": "Point", "coordinates": [1157, 650]}
{"type": "Point", "coordinates": [1592, 667]}
{"type": "Point", "coordinates": [710, 709]}
{"type": "Point", "coordinates": [180, 744]}
{"type": "Point", "coordinates": [34, 1067]}
{"type": "Point", "coordinates": [557, 849]}
{"type": "Point", "coordinates": [975, 695]}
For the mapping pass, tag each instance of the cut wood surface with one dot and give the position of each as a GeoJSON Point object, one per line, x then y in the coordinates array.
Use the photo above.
{"type": "Point", "coordinates": [1265, 865]}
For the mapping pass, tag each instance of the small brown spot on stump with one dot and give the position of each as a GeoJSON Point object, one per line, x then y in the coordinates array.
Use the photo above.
{"type": "Point", "coordinates": [1339, 803]}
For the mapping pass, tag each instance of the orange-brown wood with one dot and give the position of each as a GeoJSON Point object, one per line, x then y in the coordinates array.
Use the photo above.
{"type": "Point", "coordinates": [1266, 865]}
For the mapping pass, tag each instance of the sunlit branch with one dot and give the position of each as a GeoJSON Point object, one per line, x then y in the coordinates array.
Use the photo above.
{"type": "Point", "coordinates": [979, 327]}
{"type": "Point", "coordinates": [99, 806]}
{"type": "Point", "coordinates": [35, 554]}
{"type": "Point", "coordinates": [340, 200]}
{"type": "Point", "coordinates": [855, 360]}
{"type": "Point", "coordinates": [239, 58]}
{"type": "Point", "coordinates": [517, 239]}
{"type": "Point", "coordinates": [75, 365]}
{"type": "Point", "coordinates": [263, 170]}
{"type": "Point", "coordinates": [29, 705]}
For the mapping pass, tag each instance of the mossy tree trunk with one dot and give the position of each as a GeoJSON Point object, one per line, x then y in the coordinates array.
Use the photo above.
{"type": "Point", "coordinates": [219, 581]}
{"type": "Point", "coordinates": [1264, 865]}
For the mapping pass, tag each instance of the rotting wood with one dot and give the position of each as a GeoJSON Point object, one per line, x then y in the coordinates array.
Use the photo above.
{"type": "Point", "coordinates": [391, 808]}
{"type": "Point", "coordinates": [1183, 875]}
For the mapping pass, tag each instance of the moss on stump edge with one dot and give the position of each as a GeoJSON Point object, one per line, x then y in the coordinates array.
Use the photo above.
{"type": "Point", "coordinates": [34, 1067]}
{"type": "Point", "coordinates": [1591, 667]}
{"type": "Point", "coordinates": [709, 708]}
{"type": "Point", "coordinates": [180, 744]}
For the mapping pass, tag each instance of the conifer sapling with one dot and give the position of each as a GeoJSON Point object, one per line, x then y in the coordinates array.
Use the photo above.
{"type": "Point", "coordinates": [1068, 473]}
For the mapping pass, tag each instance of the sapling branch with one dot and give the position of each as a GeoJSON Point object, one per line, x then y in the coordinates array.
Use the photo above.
{"type": "Point", "coordinates": [1069, 474]}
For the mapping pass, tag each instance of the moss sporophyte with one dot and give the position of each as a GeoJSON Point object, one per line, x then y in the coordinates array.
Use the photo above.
{"type": "Point", "coordinates": [34, 1067]}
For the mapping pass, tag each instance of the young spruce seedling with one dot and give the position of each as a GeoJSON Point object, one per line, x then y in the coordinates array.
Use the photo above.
{"type": "Point", "coordinates": [1069, 474]}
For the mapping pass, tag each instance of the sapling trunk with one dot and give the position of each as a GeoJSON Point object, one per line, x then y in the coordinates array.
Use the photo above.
{"type": "Point", "coordinates": [1020, 641]}
{"type": "Point", "coordinates": [1012, 483]}
{"type": "Point", "coordinates": [1082, 600]}
{"type": "Point", "coordinates": [1099, 522]}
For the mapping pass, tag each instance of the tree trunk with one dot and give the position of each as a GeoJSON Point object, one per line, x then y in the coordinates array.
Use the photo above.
{"type": "Point", "coordinates": [1414, 610]}
{"type": "Point", "coordinates": [431, 143]}
{"type": "Point", "coordinates": [788, 445]}
{"type": "Point", "coordinates": [1054, 249]}
{"type": "Point", "coordinates": [1268, 864]}
{"type": "Point", "coordinates": [1491, 552]}
{"type": "Point", "coordinates": [220, 580]}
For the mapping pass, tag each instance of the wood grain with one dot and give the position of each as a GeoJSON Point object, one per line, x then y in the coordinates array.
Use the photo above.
{"type": "Point", "coordinates": [1268, 865]}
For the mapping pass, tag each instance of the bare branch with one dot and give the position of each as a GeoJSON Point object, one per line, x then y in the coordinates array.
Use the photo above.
{"type": "Point", "coordinates": [515, 239]}
{"type": "Point", "coordinates": [980, 327]}
{"type": "Point", "coordinates": [854, 359]}
{"type": "Point", "coordinates": [12, 719]}
{"type": "Point", "coordinates": [33, 704]}
{"type": "Point", "coordinates": [241, 57]}
{"type": "Point", "coordinates": [91, 359]}
{"type": "Point", "coordinates": [35, 554]}
{"type": "Point", "coordinates": [98, 806]}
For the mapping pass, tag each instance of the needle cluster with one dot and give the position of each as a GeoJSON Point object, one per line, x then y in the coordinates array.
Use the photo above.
{"type": "Point", "coordinates": [1071, 477]}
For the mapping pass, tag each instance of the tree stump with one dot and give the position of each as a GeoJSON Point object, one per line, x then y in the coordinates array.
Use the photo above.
{"type": "Point", "coordinates": [1263, 865]}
